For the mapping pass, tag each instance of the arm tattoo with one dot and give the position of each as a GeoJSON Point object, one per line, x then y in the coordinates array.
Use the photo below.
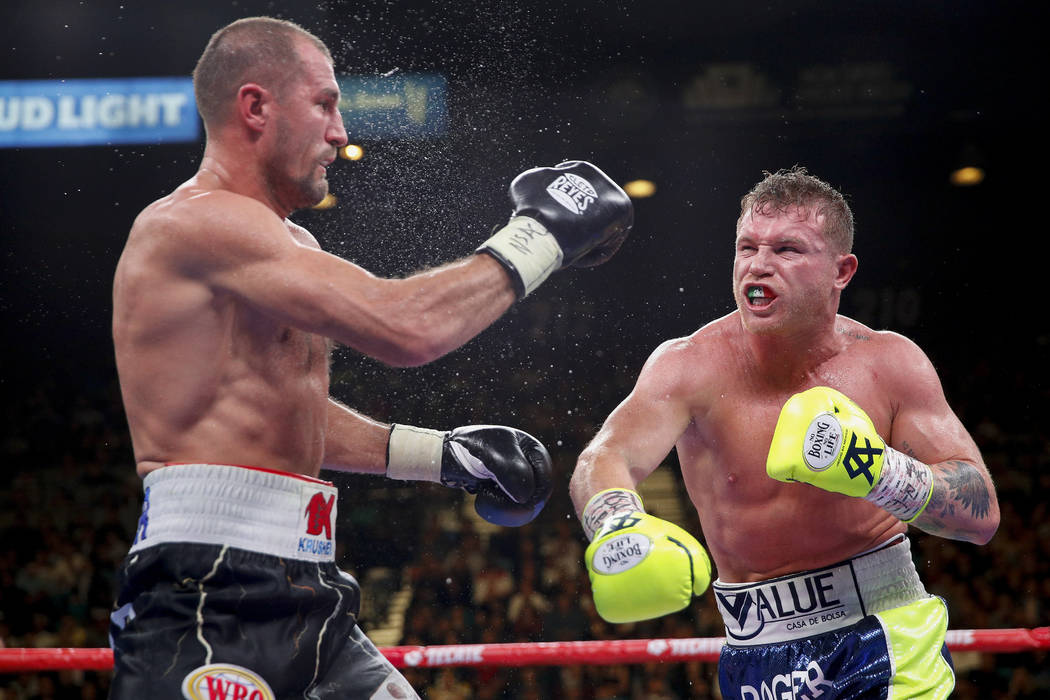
{"type": "Point", "coordinates": [908, 450]}
{"type": "Point", "coordinates": [960, 484]}
{"type": "Point", "coordinates": [934, 526]}
{"type": "Point", "coordinates": [609, 503]}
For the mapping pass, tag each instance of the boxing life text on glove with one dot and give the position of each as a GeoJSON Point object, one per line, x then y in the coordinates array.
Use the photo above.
{"type": "Point", "coordinates": [508, 470]}
{"type": "Point", "coordinates": [569, 215]}
{"type": "Point", "coordinates": [640, 566]}
{"type": "Point", "coordinates": [823, 438]}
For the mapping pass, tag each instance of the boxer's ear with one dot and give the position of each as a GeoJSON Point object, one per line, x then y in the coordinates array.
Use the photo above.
{"type": "Point", "coordinates": [253, 105]}
{"type": "Point", "coordinates": [846, 267]}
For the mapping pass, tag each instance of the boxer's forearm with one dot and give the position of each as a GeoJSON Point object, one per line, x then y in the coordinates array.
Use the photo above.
{"type": "Point", "coordinates": [593, 474]}
{"type": "Point", "coordinates": [417, 319]}
{"type": "Point", "coordinates": [353, 441]}
{"type": "Point", "coordinates": [601, 472]}
{"type": "Point", "coordinates": [963, 505]}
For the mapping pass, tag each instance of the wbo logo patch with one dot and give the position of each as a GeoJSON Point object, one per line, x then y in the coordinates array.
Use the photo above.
{"type": "Point", "coordinates": [225, 682]}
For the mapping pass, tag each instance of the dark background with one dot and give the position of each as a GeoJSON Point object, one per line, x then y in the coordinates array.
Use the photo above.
{"type": "Point", "coordinates": [879, 98]}
{"type": "Point", "coordinates": [905, 88]}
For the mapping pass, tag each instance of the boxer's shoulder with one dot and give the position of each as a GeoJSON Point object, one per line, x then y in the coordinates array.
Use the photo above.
{"type": "Point", "coordinates": [700, 357]}
{"type": "Point", "coordinates": [717, 337]}
{"type": "Point", "coordinates": [689, 372]}
{"type": "Point", "coordinates": [200, 204]}
{"type": "Point", "coordinates": [893, 357]}
{"type": "Point", "coordinates": [860, 338]}
{"type": "Point", "coordinates": [195, 229]}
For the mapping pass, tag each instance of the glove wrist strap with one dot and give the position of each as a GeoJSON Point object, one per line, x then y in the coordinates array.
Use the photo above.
{"type": "Point", "coordinates": [414, 454]}
{"type": "Point", "coordinates": [605, 504]}
{"type": "Point", "coordinates": [904, 486]}
{"type": "Point", "coordinates": [528, 251]}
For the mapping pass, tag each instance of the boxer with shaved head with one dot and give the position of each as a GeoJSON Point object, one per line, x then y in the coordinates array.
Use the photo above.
{"type": "Point", "coordinates": [224, 314]}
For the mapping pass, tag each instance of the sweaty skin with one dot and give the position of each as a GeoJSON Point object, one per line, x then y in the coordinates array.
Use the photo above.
{"type": "Point", "coordinates": [206, 376]}
{"type": "Point", "coordinates": [223, 308]}
{"type": "Point", "coordinates": [715, 397]}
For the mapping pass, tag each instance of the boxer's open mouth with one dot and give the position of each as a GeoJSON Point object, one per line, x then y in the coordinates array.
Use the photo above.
{"type": "Point", "coordinates": [759, 296]}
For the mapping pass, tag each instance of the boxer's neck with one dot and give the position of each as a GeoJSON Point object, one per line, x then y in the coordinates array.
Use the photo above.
{"type": "Point", "coordinates": [789, 358]}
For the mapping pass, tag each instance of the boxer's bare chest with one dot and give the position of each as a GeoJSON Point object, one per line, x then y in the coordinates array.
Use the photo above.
{"type": "Point", "coordinates": [276, 350]}
{"type": "Point", "coordinates": [729, 438]}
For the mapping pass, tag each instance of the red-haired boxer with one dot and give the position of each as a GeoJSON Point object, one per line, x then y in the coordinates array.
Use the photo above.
{"type": "Point", "coordinates": [807, 443]}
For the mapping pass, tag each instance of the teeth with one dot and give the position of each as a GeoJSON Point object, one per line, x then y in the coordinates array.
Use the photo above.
{"type": "Point", "coordinates": [756, 293]}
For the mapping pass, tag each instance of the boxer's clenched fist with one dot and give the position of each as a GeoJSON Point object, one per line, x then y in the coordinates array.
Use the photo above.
{"type": "Point", "coordinates": [825, 439]}
{"type": "Point", "coordinates": [507, 469]}
{"type": "Point", "coordinates": [569, 215]}
{"type": "Point", "coordinates": [643, 567]}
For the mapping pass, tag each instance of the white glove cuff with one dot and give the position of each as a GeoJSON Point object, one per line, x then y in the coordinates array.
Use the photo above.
{"type": "Point", "coordinates": [528, 248]}
{"type": "Point", "coordinates": [904, 486]}
{"type": "Point", "coordinates": [605, 504]}
{"type": "Point", "coordinates": [414, 454]}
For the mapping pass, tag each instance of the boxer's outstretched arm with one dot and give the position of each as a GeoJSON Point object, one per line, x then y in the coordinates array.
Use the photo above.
{"type": "Point", "coordinates": [508, 470]}
{"type": "Point", "coordinates": [626, 584]}
{"type": "Point", "coordinates": [963, 504]}
{"type": "Point", "coordinates": [353, 441]}
{"type": "Point", "coordinates": [571, 214]}
{"type": "Point", "coordinates": [639, 433]}
{"type": "Point", "coordinates": [240, 247]}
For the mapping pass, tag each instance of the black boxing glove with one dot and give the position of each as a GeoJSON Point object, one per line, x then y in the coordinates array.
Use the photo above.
{"type": "Point", "coordinates": [508, 470]}
{"type": "Point", "coordinates": [570, 215]}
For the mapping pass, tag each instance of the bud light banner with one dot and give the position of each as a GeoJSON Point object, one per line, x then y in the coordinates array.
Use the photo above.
{"type": "Point", "coordinates": [97, 112]}
{"type": "Point", "coordinates": [393, 106]}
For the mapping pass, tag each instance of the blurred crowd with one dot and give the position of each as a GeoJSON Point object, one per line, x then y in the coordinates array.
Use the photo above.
{"type": "Point", "coordinates": [70, 500]}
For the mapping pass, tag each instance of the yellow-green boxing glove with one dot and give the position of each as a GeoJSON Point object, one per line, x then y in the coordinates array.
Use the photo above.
{"type": "Point", "coordinates": [823, 438]}
{"type": "Point", "coordinates": [640, 566]}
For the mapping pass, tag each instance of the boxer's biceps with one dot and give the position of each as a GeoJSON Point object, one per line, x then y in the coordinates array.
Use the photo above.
{"type": "Point", "coordinates": [639, 434]}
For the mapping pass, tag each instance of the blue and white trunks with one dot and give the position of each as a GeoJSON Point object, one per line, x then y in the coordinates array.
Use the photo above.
{"type": "Point", "coordinates": [230, 590]}
{"type": "Point", "coordinates": [864, 628]}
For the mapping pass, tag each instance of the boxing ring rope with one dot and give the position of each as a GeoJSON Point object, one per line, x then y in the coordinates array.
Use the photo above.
{"type": "Point", "coordinates": [592, 653]}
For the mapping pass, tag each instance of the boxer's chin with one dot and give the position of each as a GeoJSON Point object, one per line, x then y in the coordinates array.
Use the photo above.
{"type": "Point", "coordinates": [762, 325]}
{"type": "Point", "coordinates": [313, 193]}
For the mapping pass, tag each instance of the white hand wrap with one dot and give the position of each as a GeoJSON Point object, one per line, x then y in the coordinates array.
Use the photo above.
{"type": "Point", "coordinates": [414, 454]}
{"type": "Point", "coordinates": [526, 246]}
{"type": "Point", "coordinates": [605, 504]}
{"type": "Point", "coordinates": [904, 487]}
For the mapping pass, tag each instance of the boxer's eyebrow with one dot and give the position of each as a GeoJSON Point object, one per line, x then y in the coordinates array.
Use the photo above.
{"type": "Point", "coordinates": [330, 94]}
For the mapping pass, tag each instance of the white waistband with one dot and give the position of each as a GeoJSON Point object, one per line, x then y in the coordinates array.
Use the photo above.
{"type": "Point", "coordinates": [278, 513]}
{"type": "Point", "coordinates": [820, 600]}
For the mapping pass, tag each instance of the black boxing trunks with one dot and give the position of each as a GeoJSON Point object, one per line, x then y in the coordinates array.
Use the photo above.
{"type": "Point", "coordinates": [230, 592]}
{"type": "Point", "coordinates": [864, 628]}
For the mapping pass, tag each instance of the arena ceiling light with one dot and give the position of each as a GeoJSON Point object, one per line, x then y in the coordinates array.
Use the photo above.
{"type": "Point", "coordinates": [969, 167]}
{"type": "Point", "coordinates": [329, 201]}
{"type": "Point", "coordinates": [352, 151]}
{"type": "Point", "coordinates": [640, 189]}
